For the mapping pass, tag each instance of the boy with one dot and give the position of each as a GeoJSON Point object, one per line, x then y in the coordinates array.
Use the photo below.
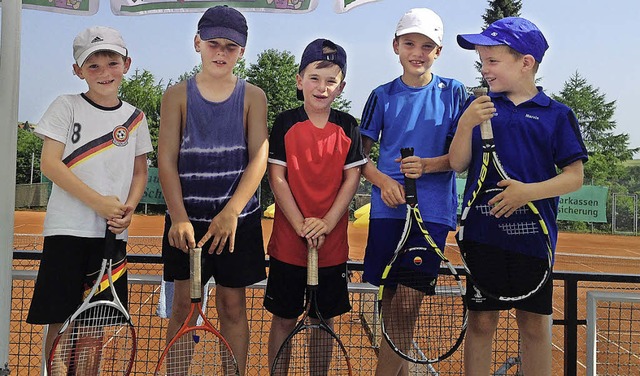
{"type": "Point", "coordinates": [94, 152]}
{"type": "Point", "coordinates": [511, 50]}
{"type": "Point", "coordinates": [315, 155]}
{"type": "Point", "coordinates": [212, 153]}
{"type": "Point", "coordinates": [415, 110]}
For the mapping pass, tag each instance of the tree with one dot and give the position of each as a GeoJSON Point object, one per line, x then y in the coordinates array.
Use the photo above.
{"type": "Point", "coordinates": [498, 9]}
{"type": "Point", "coordinates": [142, 91]}
{"type": "Point", "coordinates": [29, 147]}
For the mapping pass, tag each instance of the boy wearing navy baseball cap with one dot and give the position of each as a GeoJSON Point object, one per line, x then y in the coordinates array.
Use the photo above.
{"type": "Point", "coordinates": [212, 154]}
{"type": "Point", "coordinates": [315, 156]}
{"type": "Point", "coordinates": [535, 136]}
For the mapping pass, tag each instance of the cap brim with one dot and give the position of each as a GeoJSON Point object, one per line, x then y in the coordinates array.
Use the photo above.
{"type": "Point", "coordinates": [470, 41]}
{"type": "Point", "coordinates": [101, 47]}
{"type": "Point", "coordinates": [223, 32]}
{"type": "Point", "coordinates": [417, 30]}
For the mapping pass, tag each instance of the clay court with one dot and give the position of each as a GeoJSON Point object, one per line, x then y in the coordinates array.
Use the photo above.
{"type": "Point", "coordinates": [576, 252]}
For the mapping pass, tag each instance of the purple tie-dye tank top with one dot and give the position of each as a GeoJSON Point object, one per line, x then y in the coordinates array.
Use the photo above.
{"type": "Point", "coordinates": [213, 154]}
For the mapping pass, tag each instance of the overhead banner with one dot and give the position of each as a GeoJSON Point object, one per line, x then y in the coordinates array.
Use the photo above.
{"type": "Point", "coordinates": [76, 7]}
{"type": "Point", "coordinates": [342, 6]}
{"type": "Point", "coordinates": [588, 204]}
{"type": "Point", "coordinates": [137, 7]}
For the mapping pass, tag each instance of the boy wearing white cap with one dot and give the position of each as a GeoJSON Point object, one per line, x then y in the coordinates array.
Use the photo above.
{"type": "Point", "coordinates": [94, 152]}
{"type": "Point", "coordinates": [415, 110]}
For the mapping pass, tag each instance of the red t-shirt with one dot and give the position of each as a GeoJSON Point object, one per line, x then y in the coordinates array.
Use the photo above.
{"type": "Point", "coordinates": [316, 159]}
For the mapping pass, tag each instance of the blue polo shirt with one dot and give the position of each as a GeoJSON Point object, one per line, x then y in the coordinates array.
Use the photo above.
{"type": "Point", "coordinates": [531, 140]}
{"type": "Point", "coordinates": [401, 116]}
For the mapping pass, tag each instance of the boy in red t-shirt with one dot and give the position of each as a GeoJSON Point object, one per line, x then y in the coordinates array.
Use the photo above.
{"type": "Point", "coordinates": [315, 154]}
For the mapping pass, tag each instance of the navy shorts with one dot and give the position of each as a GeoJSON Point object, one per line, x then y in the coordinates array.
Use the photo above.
{"type": "Point", "coordinates": [244, 267]}
{"type": "Point", "coordinates": [541, 302]}
{"type": "Point", "coordinates": [68, 270]}
{"type": "Point", "coordinates": [383, 238]}
{"type": "Point", "coordinates": [286, 286]}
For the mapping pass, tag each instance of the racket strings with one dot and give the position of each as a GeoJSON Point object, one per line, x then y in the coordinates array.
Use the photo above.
{"type": "Point", "coordinates": [425, 321]}
{"type": "Point", "coordinates": [199, 352]}
{"type": "Point", "coordinates": [312, 351]}
{"type": "Point", "coordinates": [99, 341]}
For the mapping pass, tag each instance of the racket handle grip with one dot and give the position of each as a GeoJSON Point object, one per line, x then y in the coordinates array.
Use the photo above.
{"type": "Point", "coordinates": [195, 255]}
{"type": "Point", "coordinates": [109, 244]}
{"type": "Point", "coordinates": [410, 192]}
{"type": "Point", "coordinates": [312, 266]}
{"type": "Point", "coordinates": [485, 126]}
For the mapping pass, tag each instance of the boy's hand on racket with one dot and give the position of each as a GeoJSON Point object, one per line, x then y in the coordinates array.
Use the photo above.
{"type": "Point", "coordinates": [118, 225]}
{"type": "Point", "coordinates": [109, 207]}
{"type": "Point", "coordinates": [181, 235]}
{"type": "Point", "coordinates": [411, 167]}
{"type": "Point", "coordinates": [313, 228]}
{"type": "Point", "coordinates": [515, 195]}
{"type": "Point", "coordinates": [392, 193]}
{"type": "Point", "coordinates": [223, 230]}
{"type": "Point", "coordinates": [479, 110]}
{"type": "Point", "coordinates": [317, 242]}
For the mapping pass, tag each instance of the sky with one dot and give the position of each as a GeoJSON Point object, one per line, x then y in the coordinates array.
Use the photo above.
{"type": "Point", "coordinates": [598, 42]}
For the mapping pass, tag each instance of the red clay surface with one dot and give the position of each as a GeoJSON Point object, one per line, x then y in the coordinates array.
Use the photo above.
{"type": "Point", "coordinates": [593, 252]}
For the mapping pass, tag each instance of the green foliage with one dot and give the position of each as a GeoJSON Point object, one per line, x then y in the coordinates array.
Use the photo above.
{"type": "Point", "coordinates": [142, 91]}
{"type": "Point", "coordinates": [275, 72]}
{"type": "Point", "coordinates": [29, 147]}
{"type": "Point", "coordinates": [607, 150]}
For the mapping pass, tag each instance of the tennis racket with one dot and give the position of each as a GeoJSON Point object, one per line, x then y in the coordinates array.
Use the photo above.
{"type": "Point", "coordinates": [522, 275]}
{"type": "Point", "coordinates": [197, 348]}
{"type": "Point", "coordinates": [423, 317]}
{"type": "Point", "coordinates": [312, 348]}
{"type": "Point", "coordinates": [98, 338]}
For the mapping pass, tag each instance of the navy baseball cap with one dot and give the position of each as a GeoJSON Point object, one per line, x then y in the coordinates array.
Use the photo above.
{"type": "Point", "coordinates": [323, 49]}
{"type": "Point", "coordinates": [223, 22]}
{"type": "Point", "coordinates": [518, 33]}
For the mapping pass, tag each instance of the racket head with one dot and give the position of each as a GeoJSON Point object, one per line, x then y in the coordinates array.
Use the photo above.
{"type": "Point", "coordinates": [313, 348]}
{"type": "Point", "coordinates": [423, 317]}
{"type": "Point", "coordinates": [100, 337]}
{"type": "Point", "coordinates": [512, 274]}
{"type": "Point", "coordinates": [197, 350]}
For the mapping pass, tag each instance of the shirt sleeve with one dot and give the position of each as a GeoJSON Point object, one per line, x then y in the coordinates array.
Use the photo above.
{"type": "Point", "coordinates": [568, 144]}
{"type": "Point", "coordinates": [372, 117]}
{"type": "Point", "coordinates": [356, 156]}
{"type": "Point", "coordinates": [56, 121]}
{"type": "Point", "coordinates": [143, 139]}
{"type": "Point", "coordinates": [277, 151]}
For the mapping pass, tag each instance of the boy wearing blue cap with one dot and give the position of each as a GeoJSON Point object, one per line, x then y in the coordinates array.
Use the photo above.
{"type": "Point", "coordinates": [212, 154]}
{"type": "Point", "coordinates": [528, 126]}
{"type": "Point", "coordinates": [415, 110]}
{"type": "Point", "coordinates": [315, 155]}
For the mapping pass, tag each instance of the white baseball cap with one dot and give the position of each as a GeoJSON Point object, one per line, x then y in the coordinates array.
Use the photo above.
{"type": "Point", "coordinates": [422, 21]}
{"type": "Point", "coordinates": [97, 38]}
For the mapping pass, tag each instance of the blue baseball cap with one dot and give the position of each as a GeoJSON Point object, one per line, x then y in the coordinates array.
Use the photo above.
{"type": "Point", "coordinates": [518, 33]}
{"type": "Point", "coordinates": [223, 22]}
{"type": "Point", "coordinates": [323, 49]}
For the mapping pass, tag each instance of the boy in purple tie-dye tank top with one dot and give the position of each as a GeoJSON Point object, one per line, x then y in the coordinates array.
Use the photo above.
{"type": "Point", "coordinates": [212, 154]}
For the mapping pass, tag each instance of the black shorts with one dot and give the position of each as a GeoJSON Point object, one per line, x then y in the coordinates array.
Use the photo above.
{"type": "Point", "coordinates": [244, 267]}
{"type": "Point", "coordinates": [541, 302]}
{"type": "Point", "coordinates": [67, 271]}
{"type": "Point", "coordinates": [286, 286]}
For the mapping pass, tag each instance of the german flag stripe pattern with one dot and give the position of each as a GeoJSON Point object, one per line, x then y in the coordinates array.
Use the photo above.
{"type": "Point", "coordinates": [97, 146]}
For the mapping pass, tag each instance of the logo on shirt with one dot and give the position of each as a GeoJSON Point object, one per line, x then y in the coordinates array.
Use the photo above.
{"type": "Point", "coordinates": [120, 135]}
{"type": "Point", "coordinates": [531, 117]}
